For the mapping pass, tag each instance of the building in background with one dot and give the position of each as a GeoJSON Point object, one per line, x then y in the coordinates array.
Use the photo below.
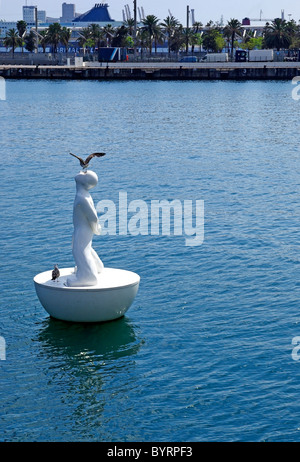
{"type": "Point", "coordinates": [5, 26]}
{"type": "Point", "coordinates": [29, 14]}
{"type": "Point", "coordinates": [41, 15]}
{"type": "Point", "coordinates": [68, 12]}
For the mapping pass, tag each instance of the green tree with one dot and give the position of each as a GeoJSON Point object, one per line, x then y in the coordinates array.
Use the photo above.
{"type": "Point", "coordinates": [96, 34]}
{"type": "Point", "coordinates": [129, 25]}
{"type": "Point", "coordinates": [22, 28]}
{"type": "Point", "coordinates": [197, 37]}
{"type": "Point", "coordinates": [119, 39]}
{"type": "Point", "coordinates": [178, 39]}
{"type": "Point", "coordinates": [220, 42]}
{"type": "Point", "coordinates": [277, 34]}
{"type": "Point", "coordinates": [197, 27]}
{"type": "Point", "coordinates": [151, 26]}
{"type": "Point", "coordinates": [54, 35]}
{"type": "Point", "coordinates": [292, 28]}
{"type": "Point", "coordinates": [30, 42]}
{"type": "Point", "coordinates": [188, 35]}
{"type": "Point", "coordinates": [232, 30]}
{"type": "Point", "coordinates": [250, 43]}
{"type": "Point", "coordinates": [169, 27]}
{"type": "Point", "coordinates": [295, 41]}
{"type": "Point", "coordinates": [109, 32]}
{"type": "Point", "coordinates": [142, 40]}
{"type": "Point", "coordinates": [65, 36]}
{"type": "Point", "coordinates": [84, 39]}
{"type": "Point", "coordinates": [197, 40]}
{"type": "Point", "coordinates": [213, 40]}
{"type": "Point", "coordinates": [12, 40]}
{"type": "Point", "coordinates": [129, 42]}
{"type": "Point", "coordinates": [159, 38]}
{"type": "Point", "coordinates": [43, 39]}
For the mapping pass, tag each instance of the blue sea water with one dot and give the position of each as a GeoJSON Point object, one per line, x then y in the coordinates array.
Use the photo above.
{"type": "Point", "coordinates": [205, 351]}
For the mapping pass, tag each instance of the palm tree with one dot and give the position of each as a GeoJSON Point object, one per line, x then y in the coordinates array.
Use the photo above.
{"type": "Point", "coordinates": [178, 39]}
{"type": "Point", "coordinates": [96, 34]}
{"type": "Point", "coordinates": [231, 30]}
{"type": "Point", "coordinates": [187, 33]}
{"type": "Point", "coordinates": [65, 36]}
{"type": "Point", "coordinates": [277, 34]}
{"type": "Point", "coordinates": [30, 41]}
{"type": "Point", "coordinates": [159, 38]}
{"type": "Point", "coordinates": [22, 28]}
{"type": "Point", "coordinates": [43, 39]}
{"type": "Point", "coordinates": [109, 32]}
{"type": "Point", "coordinates": [12, 39]}
{"type": "Point", "coordinates": [197, 36]}
{"type": "Point", "coordinates": [84, 38]}
{"type": "Point", "coordinates": [150, 24]}
{"type": "Point", "coordinates": [54, 35]}
{"type": "Point", "coordinates": [169, 26]}
{"type": "Point", "coordinates": [129, 24]}
{"type": "Point", "coordinates": [120, 38]}
{"type": "Point", "coordinates": [142, 40]}
{"type": "Point", "coordinates": [197, 26]}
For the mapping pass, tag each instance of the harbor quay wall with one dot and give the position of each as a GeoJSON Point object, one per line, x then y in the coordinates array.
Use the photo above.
{"type": "Point", "coordinates": [149, 71]}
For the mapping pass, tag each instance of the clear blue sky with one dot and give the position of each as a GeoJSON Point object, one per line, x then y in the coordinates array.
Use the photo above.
{"type": "Point", "coordinates": [204, 10]}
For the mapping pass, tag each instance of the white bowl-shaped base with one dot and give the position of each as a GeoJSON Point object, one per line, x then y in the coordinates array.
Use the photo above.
{"type": "Point", "coordinates": [106, 301]}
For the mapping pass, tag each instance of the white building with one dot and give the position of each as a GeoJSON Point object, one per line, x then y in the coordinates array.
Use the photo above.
{"type": "Point", "coordinates": [42, 15]}
{"type": "Point", "coordinates": [29, 14]}
{"type": "Point", "coordinates": [5, 26]}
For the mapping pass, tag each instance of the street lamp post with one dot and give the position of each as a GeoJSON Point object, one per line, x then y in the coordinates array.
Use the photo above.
{"type": "Point", "coordinates": [187, 28]}
{"type": "Point", "coordinates": [36, 30]}
{"type": "Point", "coordinates": [135, 21]}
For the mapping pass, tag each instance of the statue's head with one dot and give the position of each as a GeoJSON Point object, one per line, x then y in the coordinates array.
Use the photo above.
{"type": "Point", "coordinates": [88, 180]}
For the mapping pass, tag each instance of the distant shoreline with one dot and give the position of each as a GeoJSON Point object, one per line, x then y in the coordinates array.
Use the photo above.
{"type": "Point", "coordinates": [156, 71]}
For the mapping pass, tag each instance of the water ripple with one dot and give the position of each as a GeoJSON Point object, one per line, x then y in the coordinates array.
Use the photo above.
{"type": "Point", "coordinates": [204, 354]}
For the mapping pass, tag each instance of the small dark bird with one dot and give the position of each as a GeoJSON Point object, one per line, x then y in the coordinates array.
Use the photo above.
{"type": "Point", "coordinates": [85, 163]}
{"type": "Point", "coordinates": [55, 273]}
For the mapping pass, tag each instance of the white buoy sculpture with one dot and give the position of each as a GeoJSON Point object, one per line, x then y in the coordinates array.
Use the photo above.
{"type": "Point", "coordinates": [87, 292]}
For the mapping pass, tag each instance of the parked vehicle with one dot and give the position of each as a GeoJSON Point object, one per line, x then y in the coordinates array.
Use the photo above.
{"type": "Point", "coordinates": [261, 55]}
{"type": "Point", "coordinates": [215, 58]}
{"type": "Point", "coordinates": [110, 54]}
{"type": "Point", "coordinates": [189, 59]}
{"type": "Point", "coordinates": [241, 56]}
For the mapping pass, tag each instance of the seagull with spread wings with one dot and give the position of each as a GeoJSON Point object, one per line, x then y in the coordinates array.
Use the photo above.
{"type": "Point", "coordinates": [85, 163]}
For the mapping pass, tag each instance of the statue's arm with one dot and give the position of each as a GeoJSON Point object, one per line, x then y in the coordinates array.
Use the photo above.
{"type": "Point", "coordinates": [90, 213]}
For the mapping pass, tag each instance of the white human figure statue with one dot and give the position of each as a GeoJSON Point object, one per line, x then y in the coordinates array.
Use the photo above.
{"type": "Point", "coordinates": [86, 224]}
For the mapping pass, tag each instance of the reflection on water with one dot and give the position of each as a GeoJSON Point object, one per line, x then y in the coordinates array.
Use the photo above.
{"type": "Point", "coordinates": [90, 342]}
{"type": "Point", "coordinates": [88, 369]}
{"type": "Point", "coordinates": [218, 319]}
